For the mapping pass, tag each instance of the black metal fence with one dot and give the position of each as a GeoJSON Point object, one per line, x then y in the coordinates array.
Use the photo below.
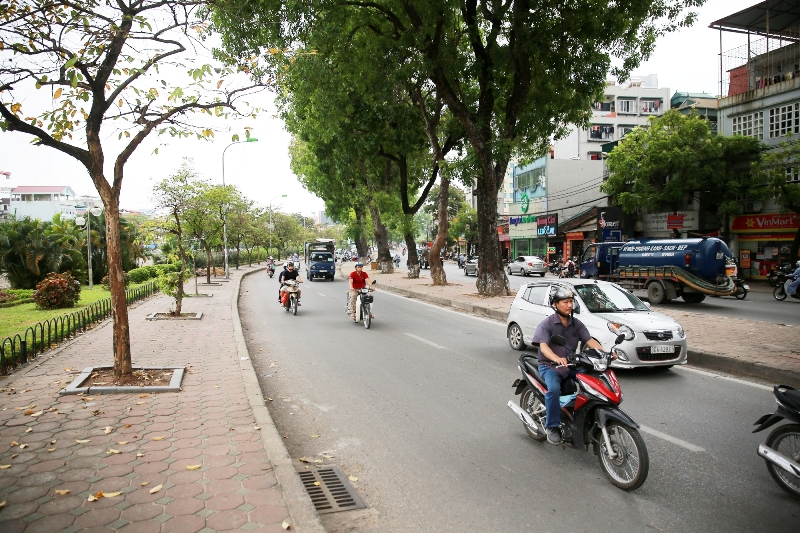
{"type": "Point", "coordinates": [44, 335]}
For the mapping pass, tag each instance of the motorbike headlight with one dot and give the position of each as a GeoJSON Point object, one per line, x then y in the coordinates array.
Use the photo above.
{"type": "Point", "coordinates": [680, 331]}
{"type": "Point", "coordinates": [621, 329]}
{"type": "Point", "coordinates": [600, 365]}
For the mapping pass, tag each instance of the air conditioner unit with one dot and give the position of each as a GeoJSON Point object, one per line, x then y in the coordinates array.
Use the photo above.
{"type": "Point", "coordinates": [753, 207]}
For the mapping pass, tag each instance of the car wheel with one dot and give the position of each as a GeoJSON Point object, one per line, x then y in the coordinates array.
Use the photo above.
{"type": "Point", "coordinates": [542, 274]}
{"type": "Point", "coordinates": [465, 271]}
{"type": "Point", "coordinates": [508, 270]}
{"type": "Point", "coordinates": [515, 337]}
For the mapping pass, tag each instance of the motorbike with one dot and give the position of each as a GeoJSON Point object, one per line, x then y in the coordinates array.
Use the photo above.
{"type": "Point", "coordinates": [271, 270]}
{"type": "Point", "coordinates": [774, 273]}
{"type": "Point", "coordinates": [289, 297]}
{"type": "Point", "coordinates": [740, 289]}
{"type": "Point", "coordinates": [781, 450]}
{"type": "Point", "coordinates": [782, 290]}
{"type": "Point", "coordinates": [590, 414]}
{"type": "Point", "coordinates": [554, 267]}
{"type": "Point", "coordinates": [364, 302]}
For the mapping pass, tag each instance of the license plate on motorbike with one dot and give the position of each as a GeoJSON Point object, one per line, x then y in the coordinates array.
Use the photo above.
{"type": "Point", "coordinates": [664, 348]}
{"type": "Point", "coordinates": [746, 287]}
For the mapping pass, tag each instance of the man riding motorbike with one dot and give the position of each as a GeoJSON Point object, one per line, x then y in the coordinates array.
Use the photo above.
{"type": "Point", "coordinates": [553, 359]}
{"type": "Point", "coordinates": [289, 273]}
{"type": "Point", "coordinates": [358, 280]}
{"type": "Point", "coordinates": [792, 289]}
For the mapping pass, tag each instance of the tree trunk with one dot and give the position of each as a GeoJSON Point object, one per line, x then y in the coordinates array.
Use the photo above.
{"type": "Point", "coordinates": [238, 252]}
{"type": "Point", "coordinates": [413, 258]}
{"type": "Point", "coordinates": [361, 239]}
{"type": "Point", "coordinates": [492, 279]}
{"type": "Point", "coordinates": [438, 274]}
{"type": "Point", "coordinates": [119, 305]}
{"type": "Point", "coordinates": [382, 240]}
{"type": "Point", "coordinates": [208, 265]}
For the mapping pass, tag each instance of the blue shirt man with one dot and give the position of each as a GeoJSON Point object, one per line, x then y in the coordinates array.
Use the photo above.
{"type": "Point", "coordinates": [553, 359]}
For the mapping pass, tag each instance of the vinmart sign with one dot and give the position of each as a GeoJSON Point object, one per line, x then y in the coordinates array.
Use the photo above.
{"type": "Point", "coordinates": [761, 223]}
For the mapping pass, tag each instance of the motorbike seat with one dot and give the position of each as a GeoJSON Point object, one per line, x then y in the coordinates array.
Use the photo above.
{"type": "Point", "coordinates": [789, 397]}
{"type": "Point", "coordinates": [568, 386]}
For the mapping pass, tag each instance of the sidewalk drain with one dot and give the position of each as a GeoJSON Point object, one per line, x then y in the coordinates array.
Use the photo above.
{"type": "Point", "coordinates": [334, 492]}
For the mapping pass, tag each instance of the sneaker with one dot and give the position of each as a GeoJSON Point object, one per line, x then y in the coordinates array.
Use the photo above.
{"type": "Point", "coordinates": [553, 436]}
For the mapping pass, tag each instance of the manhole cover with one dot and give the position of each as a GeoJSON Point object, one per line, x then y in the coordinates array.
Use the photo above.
{"type": "Point", "coordinates": [333, 493]}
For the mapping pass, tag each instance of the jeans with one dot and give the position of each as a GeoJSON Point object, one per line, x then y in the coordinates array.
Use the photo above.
{"type": "Point", "coordinates": [553, 380]}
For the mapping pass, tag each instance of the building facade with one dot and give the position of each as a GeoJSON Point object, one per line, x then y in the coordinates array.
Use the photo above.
{"type": "Point", "coordinates": [42, 201]}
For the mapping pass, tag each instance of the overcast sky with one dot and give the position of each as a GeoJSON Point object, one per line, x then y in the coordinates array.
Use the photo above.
{"type": "Point", "coordinates": [685, 61]}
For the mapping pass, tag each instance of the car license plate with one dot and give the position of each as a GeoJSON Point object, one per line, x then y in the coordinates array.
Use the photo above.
{"type": "Point", "coordinates": [664, 348]}
{"type": "Point", "coordinates": [323, 271]}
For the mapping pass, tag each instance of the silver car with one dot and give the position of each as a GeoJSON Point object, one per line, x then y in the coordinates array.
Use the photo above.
{"type": "Point", "coordinates": [471, 266]}
{"type": "Point", "coordinates": [607, 310]}
{"type": "Point", "coordinates": [527, 265]}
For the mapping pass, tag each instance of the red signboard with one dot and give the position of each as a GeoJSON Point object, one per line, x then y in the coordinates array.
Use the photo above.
{"type": "Point", "coordinates": [675, 221]}
{"type": "Point", "coordinates": [573, 235]}
{"type": "Point", "coordinates": [764, 223]}
{"type": "Point", "coordinates": [766, 236]}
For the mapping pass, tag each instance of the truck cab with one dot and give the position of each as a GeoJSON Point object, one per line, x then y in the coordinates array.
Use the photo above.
{"type": "Point", "coordinates": [600, 259]}
{"type": "Point", "coordinates": [320, 260]}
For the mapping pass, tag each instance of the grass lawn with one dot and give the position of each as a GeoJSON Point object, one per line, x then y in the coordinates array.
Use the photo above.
{"type": "Point", "coordinates": [17, 319]}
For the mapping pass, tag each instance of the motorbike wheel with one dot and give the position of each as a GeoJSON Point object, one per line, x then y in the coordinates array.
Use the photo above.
{"type": "Point", "coordinates": [786, 441]}
{"type": "Point", "coordinates": [293, 304]}
{"type": "Point", "coordinates": [628, 470]}
{"type": "Point", "coordinates": [772, 280]}
{"type": "Point", "coordinates": [532, 405]}
{"type": "Point", "coordinates": [779, 293]}
{"type": "Point", "coordinates": [366, 317]}
{"type": "Point", "coordinates": [741, 294]}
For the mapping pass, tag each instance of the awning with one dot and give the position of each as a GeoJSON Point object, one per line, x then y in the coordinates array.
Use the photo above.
{"type": "Point", "coordinates": [766, 18]}
{"type": "Point", "coordinates": [787, 237]}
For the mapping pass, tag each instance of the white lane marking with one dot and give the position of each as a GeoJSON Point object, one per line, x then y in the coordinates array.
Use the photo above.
{"type": "Point", "coordinates": [669, 438]}
{"type": "Point", "coordinates": [726, 378]}
{"type": "Point", "coordinates": [440, 308]}
{"type": "Point", "coordinates": [426, 341]}
{"type": "Point", "coordinates": [321, 294]}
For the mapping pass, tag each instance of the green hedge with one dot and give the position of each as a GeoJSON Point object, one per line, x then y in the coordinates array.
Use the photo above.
{"type": "Point", "coordinates": [142, 274]}
{"type": "Point", "coordinates": [16, 302]}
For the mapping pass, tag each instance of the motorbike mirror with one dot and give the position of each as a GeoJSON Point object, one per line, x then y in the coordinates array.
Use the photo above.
{"type": "Point", "coordinates": [619, 339]}
{"type": "Point", "coordinates": [374, 281]}
{"type": "Point", "coordinates": [558, 340]}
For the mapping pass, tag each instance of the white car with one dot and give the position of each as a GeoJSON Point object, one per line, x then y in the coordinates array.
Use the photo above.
{"type": "Point", "coordinates": [527, 265]}
{"type": "Point", "coordinates": [607, 310]}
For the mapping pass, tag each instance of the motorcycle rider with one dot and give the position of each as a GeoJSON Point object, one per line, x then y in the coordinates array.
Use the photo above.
{"type": "Point", "coordinates": [288, 274]}
{"type": "Point", "coordinates": [792, 289]}
{"type": "Point", "coordinates": [553, 359]}
{"type": "Point", "coordinates": [358, 280]}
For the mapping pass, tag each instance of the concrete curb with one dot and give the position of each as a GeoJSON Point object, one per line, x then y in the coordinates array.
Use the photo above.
{"type": "Point", "coordinates": [304, 517]}
{"type": "Point", "coordinates": [707, 360]}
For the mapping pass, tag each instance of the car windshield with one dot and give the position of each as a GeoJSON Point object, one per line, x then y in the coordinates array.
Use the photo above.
{"type": "Point", "coordinates": [609, 299]}
{"type": "Point", "coordinates": [321, 257]}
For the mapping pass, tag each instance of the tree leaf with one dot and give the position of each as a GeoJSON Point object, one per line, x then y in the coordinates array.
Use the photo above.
{"type": "Point", "coordinates": [111, 494]}
{"type": "Point", "coordinates": [352, 478]}
{"type": "Point", "coordinates": [3, 467]}
{"type": "Point", "coordinates": [23, 446]}
{"type": "Point", "coordinates": [112, 451]}
{"type": "Point", "coordinates": [160, 438]}
{"type": "Point", "coordinates": [108, 429]}
{"type": "Point", "coordinates": [122, 442]}
{"type": "Point", "coordinates": [145, 483]}
{"type": "Point", "coordinates": [156, 488]}
{"type": "Point", "coordinates": [49, 450]}
{"type": "Point", "coordinates": [84, 441]}
{"type": "Point", "coordinates": [62, 492]}
{"type": "Point", "coordinates": [284, 524]}
{"type": "Point", "coordinates": [28, 430]}
{"type": "Point", "coordinates": [193, 467]}
{"type": "Point", "coordinates": [57, 95]}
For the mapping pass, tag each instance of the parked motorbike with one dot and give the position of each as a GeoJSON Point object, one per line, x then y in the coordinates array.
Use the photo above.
{"type": "Point", "coordinates": [590, 414]}
{"type": "Point", "coordinates": [781, 450]}
{"type": "Point", "coordinates": [782, 290]}
{"type": "Point", "coordinates": [554, 268]}
{"type": "Point", "coordinates": [741, 288]}
{"type": "Point", "coordinates": [289, 297]}
{"type": "Point", "coordinates": [364, 302]}
{"type": "Point", "coordinates": [772, 277]}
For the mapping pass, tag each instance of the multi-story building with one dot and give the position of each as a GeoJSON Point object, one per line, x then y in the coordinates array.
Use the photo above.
{"type": "Point", "coordinates": [705, 105]}
{"type": "Point", "coordinates": [622, 108]}
{"type": "Point", "coordinates": [42, 201]}
{"type": "Point", "coordinates": [760, 89]}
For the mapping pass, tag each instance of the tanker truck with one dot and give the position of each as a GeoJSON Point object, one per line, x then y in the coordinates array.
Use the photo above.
{"type": "Point", "coordinates": [667, 269]}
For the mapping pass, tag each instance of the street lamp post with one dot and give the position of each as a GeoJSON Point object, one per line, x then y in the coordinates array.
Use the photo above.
{"type": "Point", "coordinates": [96, 211]}
{"type": "Point", "coordinates": [224, 216]}
{"type": "Point", "coordinates": [270, 221]}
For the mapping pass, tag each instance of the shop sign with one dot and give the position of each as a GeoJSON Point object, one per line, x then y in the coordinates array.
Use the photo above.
{"type": "Point", "coordinates": [775, 222]}
{"type": "Point", "coordinates": [575, 235]}
{"type": "Point", "coordinates": [608, 218]}
{"type": "Point", "coordinates": [547, 225]}
{"type": "Point", "coordinates": [766, 237]}
{"type": "Point", "coordinates": [744, 258]}
{"type": "Point", "coordinates": [525, 202]}
{"type": "Point", "coordinates": [662, 222]}
{"type": "Point", "coordinates": [675, 221]}
{"type": "Point", "coordinates": [524, 219]}
{"type": "Point", "coordinates": [551, 250]}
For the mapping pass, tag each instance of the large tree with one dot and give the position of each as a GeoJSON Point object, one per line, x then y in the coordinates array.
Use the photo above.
{"type": "Point", "coordinates": [676, 158]}
{"type": "Point", "coordinates": [514, 73]}
{"type": "Point", "coordinates": [113, 67]}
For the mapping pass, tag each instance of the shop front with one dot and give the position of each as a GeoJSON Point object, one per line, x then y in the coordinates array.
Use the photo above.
{"type": "Point", "coordinates": [529, 233]}
{"type": "Point", "coordinates": [764, 242]}
{"type": "Point", "coordinates": [574, 247]}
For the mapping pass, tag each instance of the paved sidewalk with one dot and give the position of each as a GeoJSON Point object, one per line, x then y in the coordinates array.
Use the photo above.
{"type": "Point", "coordinates": [768, 351]}
{"type": "Point", "coordinates": [244, 480]}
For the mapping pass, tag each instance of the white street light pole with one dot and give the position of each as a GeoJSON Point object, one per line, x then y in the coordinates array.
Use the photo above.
{"type": "Point", "coordinates": [270, 221]}
{"type": "Point", "coordinates": [96, 211]}
{"type": "Point", "coordinates": [224, 215]}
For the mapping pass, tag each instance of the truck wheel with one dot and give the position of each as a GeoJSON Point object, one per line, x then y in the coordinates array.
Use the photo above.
{"type": "Point", "coordinates": [656, 293]}
{"type": "Point", "coordinates": [693, 297]}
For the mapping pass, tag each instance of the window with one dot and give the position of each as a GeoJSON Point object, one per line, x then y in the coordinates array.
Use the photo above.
{"type": "Point", "coordinates": [536, 294]}
{"type": "Point", "coordinates": [624, 130]}
{"type": "Point", "coordinates": [627, 106]}
{"type": "Point", "coordinates": [595, 156]}
{"type": "Point", "coordinates": [603, 106]}
{"type": "Point", "coordinates": [651, 106]}
{"type": "Point", "coordinates": [601, 132]}
{"type": "Point", "coordinates": [793, 175]}
{"type": "Point", "coordinates": [751, 125]}
{"type": "Point", "coordinates": [784, 120]}
{"type": "Point", "coordinates": [589, 254]}
{"type": "Point", "coordinates": [530, 178]}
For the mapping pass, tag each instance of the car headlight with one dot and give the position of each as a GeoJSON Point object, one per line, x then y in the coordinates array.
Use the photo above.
{"type": "Point", "coordinates": [621, 329]}
{"type": "Point", "coordinates": [680, 331]}
{"type": "Point", "coordinates": [621, 355]}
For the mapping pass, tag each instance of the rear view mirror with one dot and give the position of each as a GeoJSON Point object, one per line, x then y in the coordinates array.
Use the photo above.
{"type": "Point", "coordinates": [620, 338]}
{"type": "Point", "coordinates": [374, 281]}
{"type": "Point", "coordinates": [558, 340]}
{"type": "Point", "coordinates": [576, 309]}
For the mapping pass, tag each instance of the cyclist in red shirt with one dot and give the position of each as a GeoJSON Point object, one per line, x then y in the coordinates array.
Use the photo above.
{"type": "Point", "coordinates": [358, 280]}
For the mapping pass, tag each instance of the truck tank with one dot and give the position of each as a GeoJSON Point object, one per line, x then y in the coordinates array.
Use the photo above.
{"type": "Point", "coordinates": [705, 258]}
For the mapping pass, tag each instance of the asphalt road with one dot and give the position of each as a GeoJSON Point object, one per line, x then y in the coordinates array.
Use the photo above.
{"type": "Point", "coordinates": [759, 304]}
{"type": "Point", "coordinates": [415, 408]}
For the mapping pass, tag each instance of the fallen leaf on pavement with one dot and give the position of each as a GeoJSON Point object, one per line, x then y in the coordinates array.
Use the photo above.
{"type": "Point", "coordinates": [145, 483]}
{"type": "Point", "coordinates": [50, 450]}
{"type": "Point", "coordinates": [111, 494]}
{"type": "Point", "coordinates": [3, 467]}
{"type": "Point", "coordinates": [160, 438]}
{"type": "Point", "coordinates": [127, 426]}
{"type": "Point", "coordinates": [316, 483]}
{"type": "Point", "coordinates": [29, 412]}
{"type": "Point", "coordinates": [108, 429]}
{"type": "Point", "coordinates": [113, 451]}
{"type": "Point", "coordinates": [122, 442]}
{"type": "Point", "coordinates": [193, 467]}
{"type": "Point", "coordinates": [28, 430]}
{"type": "Point", "coordinates": [304, 460]}
{"type": "Point", "coordinates": [269, 399]}
{"type": "Point", "coordinates": [256, 428]}
{"type": "Point", "coordinates": [15, 456]}
{"type": "Point", "coordinates": [37, 413]}
{"type": "Point", "coordinates": [318, 461]}
{"type": "Point", "coordinates": [68, 369]}
{"type": "Point", "coordinates": [145, 395]}
{"type": "Point", "coordinates": [156, 488]}
{"type": "Point", "coordinates": [315, 436]}
{"type": "Point", "coordinates": [284, 524]}
{"type": "Point", "coordinates": [3, 504]}
{"type": "Point", "coordinates": [62, 492]}
{"type": "Point", "coordinates": [216, 386]}
{"type": "Point", "coordinates": [25, 408]}
{"type": "Point", "coordinates": [140, 403]}
{"type": "Point", "coordinates": [23, 446]}
{"type": "Point", "coordinates": [95, 497]}
{"type": "Point", "coordinates": [53, 441]}
{"type": "Point", "coordinates": [14, 443]}
{"type": "Point", "coordinates": [140, 454]}
{"type": "Point", "coordinates": [52, 409]}
{"type": "Point", "coordinates": [352, 478]}
{"type": "Point", "coordinates": [84, 441]}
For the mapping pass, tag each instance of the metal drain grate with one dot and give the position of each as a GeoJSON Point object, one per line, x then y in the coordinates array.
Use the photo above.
{"type": "Point", "coordinates": [334, 492]}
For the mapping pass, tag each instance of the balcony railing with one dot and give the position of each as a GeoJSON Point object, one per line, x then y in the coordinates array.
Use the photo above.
{"type": "Point", "coordinates": [759, 64]}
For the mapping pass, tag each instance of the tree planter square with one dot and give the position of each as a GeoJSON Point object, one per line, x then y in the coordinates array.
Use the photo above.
{"type": "Point", "coordinates": [209, 284]}
{"type": "Point", "coordinates": [168, 316]}
{"type": "Point", "coordinates": [174, 383]}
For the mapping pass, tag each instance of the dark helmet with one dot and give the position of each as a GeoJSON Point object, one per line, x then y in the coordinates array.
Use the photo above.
{"type": "Point", "coordinates": [558, 293]}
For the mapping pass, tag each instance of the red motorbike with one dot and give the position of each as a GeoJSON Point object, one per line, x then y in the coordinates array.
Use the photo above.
{"type": "Point", "coordinates": [590, 414]}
